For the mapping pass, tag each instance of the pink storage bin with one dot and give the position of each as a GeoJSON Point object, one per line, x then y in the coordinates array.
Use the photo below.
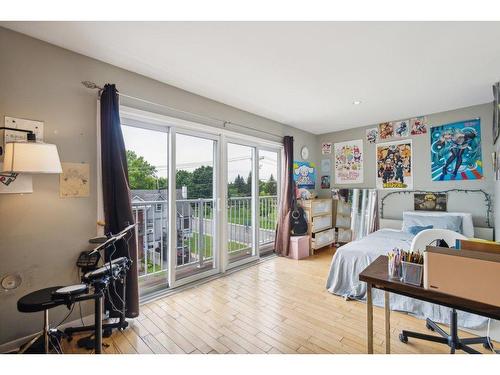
{"type": "Point", "coordinates": [299, 247]}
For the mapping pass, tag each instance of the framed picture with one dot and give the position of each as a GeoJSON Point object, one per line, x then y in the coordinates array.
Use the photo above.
{"type": "Point", "coordinates": [456, 151]}
{"type": "Point", "coordinates": [394, 165]}
{"type": "Point", "coordinates": [430, 201]}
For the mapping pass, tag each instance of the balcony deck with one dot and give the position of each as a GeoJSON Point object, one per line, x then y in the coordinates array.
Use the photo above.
{"type": "Point", "coordinates": [277, 306]}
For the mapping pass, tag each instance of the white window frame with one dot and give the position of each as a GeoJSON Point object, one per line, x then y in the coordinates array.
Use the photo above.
{"type": "Point", "coordinates": [222, 136]}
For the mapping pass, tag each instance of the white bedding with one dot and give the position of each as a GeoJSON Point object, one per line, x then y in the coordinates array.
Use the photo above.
{"type": "Point", "coordinates": [349, 260]}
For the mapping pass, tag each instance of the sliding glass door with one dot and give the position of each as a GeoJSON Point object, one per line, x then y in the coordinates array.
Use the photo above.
{"type": "Point", "coordinates": [269, 176]}
{"type": "Point", "coordinates": [196, 165]}
{"type": "Point", "coordinates": [147, 149]}
{"type": "Point", "coordinates": [241, 188]}
{"type": "Point", "coordinates": [211, 218]}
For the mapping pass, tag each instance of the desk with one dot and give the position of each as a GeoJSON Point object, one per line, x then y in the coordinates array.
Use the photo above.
{"type": "Point", "coordinates": [375, 276]}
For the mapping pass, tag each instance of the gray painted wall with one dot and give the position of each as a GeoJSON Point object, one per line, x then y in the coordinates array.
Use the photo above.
{"type": "Point", "coordinates": [421, 157]}
{"type": "Point", "coordinates": [42, 234]}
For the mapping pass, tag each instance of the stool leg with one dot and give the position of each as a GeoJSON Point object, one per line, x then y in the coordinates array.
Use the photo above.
{"type": "Point", "coordinates": [46, 331]}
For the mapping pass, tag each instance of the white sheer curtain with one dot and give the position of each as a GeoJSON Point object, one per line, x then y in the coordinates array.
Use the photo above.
{"type": "Point", "coordinates": [364, 214]}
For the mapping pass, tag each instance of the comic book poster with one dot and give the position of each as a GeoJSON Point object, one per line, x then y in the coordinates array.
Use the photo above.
{"type": "Point", "coordinates": [456, 151]}
{"type": "Point", "coordinates": [418, 125]}
{"type": "Point", "coordinates": [394, 165]}
{"type": "Point", "coordinates": [372, 135]}
{"type": "Point", "coordinates": [349, 162]}
{"type": "Point", "coordinates": [401, 128]}
{"type": "Point", "coordinates": [304, 174]}
{"type": "Point", "coordinates": [385, 130]}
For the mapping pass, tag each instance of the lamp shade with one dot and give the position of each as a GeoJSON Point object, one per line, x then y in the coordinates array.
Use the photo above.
{"type": "Point", "coordinates": [31, 157]}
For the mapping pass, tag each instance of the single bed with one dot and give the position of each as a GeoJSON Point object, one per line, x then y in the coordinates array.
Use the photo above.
{"type": "Point", "coordinates": [349, 260]}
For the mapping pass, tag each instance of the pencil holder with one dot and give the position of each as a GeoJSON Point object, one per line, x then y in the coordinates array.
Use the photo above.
{"type": "Point", "coordinates": [394, 269]}
{"type": "Point", "coordinates": [412, 273]}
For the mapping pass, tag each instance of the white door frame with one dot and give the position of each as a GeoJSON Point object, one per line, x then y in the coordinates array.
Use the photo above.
{"type": "Point", "coordinates": [216, 246]}
{"type": "Point", "coordinates": [222, 137]}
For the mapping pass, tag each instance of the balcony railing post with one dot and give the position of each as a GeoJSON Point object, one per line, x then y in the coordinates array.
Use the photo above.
{"type": "Point", "coordinates": [200, 232]}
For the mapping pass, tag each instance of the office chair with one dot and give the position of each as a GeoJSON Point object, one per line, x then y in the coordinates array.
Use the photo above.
{"type": "Point", "coordinates": [420, 242]}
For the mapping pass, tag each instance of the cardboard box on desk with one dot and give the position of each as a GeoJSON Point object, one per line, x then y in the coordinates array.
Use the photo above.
{"type": "Point", "coordinates": [467, 274]}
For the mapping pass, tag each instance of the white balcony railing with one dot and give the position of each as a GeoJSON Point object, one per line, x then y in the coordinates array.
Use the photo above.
{"type": "Point", "coordinates": [195, 230]}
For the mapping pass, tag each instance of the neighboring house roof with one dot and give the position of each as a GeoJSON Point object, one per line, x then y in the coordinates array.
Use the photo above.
{"type": "Point", "coordinates": [183, 208]}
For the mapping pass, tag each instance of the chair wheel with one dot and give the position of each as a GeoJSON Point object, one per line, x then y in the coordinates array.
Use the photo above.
{"type": "Point", "coordinates": [487, 346]}
{"type": "Point", "coordinates": [403, 338]}
{"type": "Point", "coordinates": [429, 327]}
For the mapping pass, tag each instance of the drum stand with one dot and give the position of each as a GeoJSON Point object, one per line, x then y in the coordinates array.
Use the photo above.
{"type": "Point", "coordinates": [45, 334]}
{"type": "Point", "coordinates": [98, 326]}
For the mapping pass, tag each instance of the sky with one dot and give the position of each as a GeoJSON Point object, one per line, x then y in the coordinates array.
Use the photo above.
{"type": "Point", "coordinates": [193, 152]}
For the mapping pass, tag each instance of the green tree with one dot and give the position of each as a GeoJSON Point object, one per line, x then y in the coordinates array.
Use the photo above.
{"type": "Point", "coordinates": [142, 175]}
{"type": "Point", "coordinates": [183, 178]}
{"type": "Point", "coordinates": [202, 183]}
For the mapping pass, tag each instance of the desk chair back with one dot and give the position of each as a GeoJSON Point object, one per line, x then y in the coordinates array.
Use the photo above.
{"type": "Point", "coordinates": [429, 236]}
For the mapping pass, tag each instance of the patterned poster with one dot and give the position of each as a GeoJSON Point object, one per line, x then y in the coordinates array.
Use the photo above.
{"type": "Point", "coordinates": [456, 151]}
{"type": "Point", "coordinates": [372, 135]}
{"type": "Point", "coordinates": [326, 148]}
{"type": "Point", "coordinates": [401, 128]}
{"type": "Point", "coordinates": [385, 130]}
{"type": "Point", "coordinates": [418, 125]}
{"type": "Point", "coordinates": [394, 165]}
{"type": "Point", "coordinates": [349, 162]}
{"type": "Point", "coordinates": [74, 180]}
{"type": "Point", "coordinates": [304, 174]}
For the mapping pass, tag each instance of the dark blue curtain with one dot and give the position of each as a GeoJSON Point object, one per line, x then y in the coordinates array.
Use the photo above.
{"type": "Point", "coordinates": [116, 195]}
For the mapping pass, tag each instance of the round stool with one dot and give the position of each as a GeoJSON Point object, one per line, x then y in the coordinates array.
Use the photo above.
{"type": "Point", "coordinates": [39, 300]}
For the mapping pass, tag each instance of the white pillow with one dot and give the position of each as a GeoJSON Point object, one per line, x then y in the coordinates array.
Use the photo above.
{"type": "Point", "coordinates": [467, 225]}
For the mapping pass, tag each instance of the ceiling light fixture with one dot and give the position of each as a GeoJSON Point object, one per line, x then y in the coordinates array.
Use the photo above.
{"type": "Point", "coordinates": [356, 102]}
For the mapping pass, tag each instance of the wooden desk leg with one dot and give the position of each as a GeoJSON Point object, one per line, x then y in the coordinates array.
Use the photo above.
{"type": "Point", "coordinates": [369, 317]}
{"type": "Point", "coordinates": [387, 324]}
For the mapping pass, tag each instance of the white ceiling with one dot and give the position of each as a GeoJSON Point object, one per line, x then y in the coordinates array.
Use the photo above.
{"type": "Point", "coordinates": [305, 74]}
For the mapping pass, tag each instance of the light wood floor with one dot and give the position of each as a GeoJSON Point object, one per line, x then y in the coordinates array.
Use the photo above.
{"type": "Point", "coordinates": [278, 306]}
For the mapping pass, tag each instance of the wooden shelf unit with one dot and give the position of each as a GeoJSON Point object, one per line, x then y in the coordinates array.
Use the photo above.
{"type": "Point", "coordinates": [319, 218]}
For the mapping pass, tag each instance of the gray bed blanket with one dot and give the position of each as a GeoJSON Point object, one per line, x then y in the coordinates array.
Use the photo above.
{"type": "Point", "coordinates": [349, 260]}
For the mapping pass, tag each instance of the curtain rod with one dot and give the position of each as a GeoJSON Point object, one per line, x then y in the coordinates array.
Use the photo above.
{"type": "Point", "coordinates": [93, 86]}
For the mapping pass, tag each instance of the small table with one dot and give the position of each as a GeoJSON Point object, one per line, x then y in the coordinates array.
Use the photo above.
{"type": "Point", "coordinates": [376, 276]}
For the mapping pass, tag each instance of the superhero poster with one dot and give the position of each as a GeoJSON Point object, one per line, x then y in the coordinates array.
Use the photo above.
{"type": "Point", "coordinates": [349, 162]}
{"type": "Point", "coordinates": [456, 151]}
{"type": "Point", "coordinates": [394, 165]}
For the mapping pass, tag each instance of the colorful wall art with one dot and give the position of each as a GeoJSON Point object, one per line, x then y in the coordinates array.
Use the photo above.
{"type": "Point", "coordinates": [304, 174]}
{"type": "Point", "coordinates": [372, 135]}
{"type": "Point", "coordinates": [326, 148]}
{"type": "Point", "coordinates": [325, 182]}
{"type": "Point", "coordinates": [394, 165]}
{"type": "Point", "coordinates": [430, 201]}
{"type": "Point", "coordinates": [418, 125]}
{"type": "Point", "coordinates": [401, 128]}
{"type": "Point", "coordinates": [385, 130]}
{"type": "Point", "coordinates": [456, 151]}
{"type": "Point", "coordinates": [349, 162]}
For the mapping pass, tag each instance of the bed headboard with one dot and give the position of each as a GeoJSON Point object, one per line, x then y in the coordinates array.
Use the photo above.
{"type": "Point", "coordinates": [476, 201]}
